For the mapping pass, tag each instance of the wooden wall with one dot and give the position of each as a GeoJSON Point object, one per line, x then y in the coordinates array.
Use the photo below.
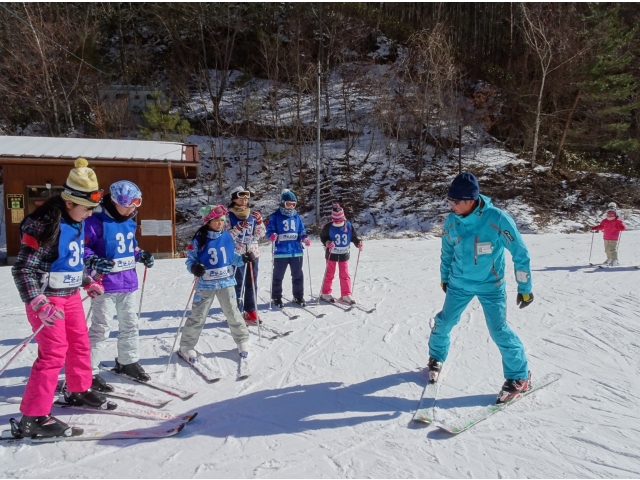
{"type": "Point", "coordinates": [156, 183]}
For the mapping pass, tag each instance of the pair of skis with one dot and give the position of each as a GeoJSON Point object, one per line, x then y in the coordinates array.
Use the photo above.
{"type": "Point", "coordinates": [426, 409]}
{"type": "Point", "coordinates": [163, 387]}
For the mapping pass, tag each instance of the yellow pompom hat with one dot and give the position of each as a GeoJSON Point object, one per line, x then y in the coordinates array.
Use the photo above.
{"type": "Point", "coordinates": [81, 186]}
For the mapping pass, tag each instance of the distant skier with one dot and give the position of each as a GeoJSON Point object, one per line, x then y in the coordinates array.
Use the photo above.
{"type": "Point", "coordinates": [336, 236]}
{"type": "Point", "coordinates": [612, 226]}
{"type": "Point", "coordinates": [48, 273]}
{"type": "Point", "coordinates": [285, 229]}
{"type": "Point", "coordinates": [472, 265]}
{"type": "Point", "coordinates": [246, 228]}
{"type": "Point", "coordinates": [211, 258]}
{"type": "Point", "coordinates": [110, 237]}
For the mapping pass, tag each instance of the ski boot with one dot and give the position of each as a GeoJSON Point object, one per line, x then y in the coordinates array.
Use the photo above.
{"type": "Point", "coordinates": [434, 367]}
{"type": "Point", "coordinates": [327, 297]}
{"type": "Point", "coordinates": [300, 301]}
{"type": "Point", "coordinates": [88, 398]}
{"type": "Point", "coordinates": [133, 370]}
{"type": "Point", "coordinates": [99, 385]}
{"type": "Point", "coordinates": [614, 263]}
{"type": "Point", "coordinates": [243, 367]}
{"type": "Point", "coordinates": [347, 299]}
{"type": "Point", "coordinates": [45, 426]}
{"type": "Point", "coordinates": [189, 354]}
{"type": "Point", "coordinates": [512, 389]}
{"type": "Point", "coordinates": [278, 302]}
{"type": "Point", "coordinates": [252, 318]}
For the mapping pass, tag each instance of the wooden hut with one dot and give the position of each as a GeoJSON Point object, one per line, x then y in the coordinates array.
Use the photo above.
{"type": "Point", "coordinates": [35, 168]}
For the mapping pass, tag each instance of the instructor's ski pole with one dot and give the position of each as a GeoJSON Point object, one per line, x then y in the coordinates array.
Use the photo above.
{"type": "Point", "coordinates": [144, 281]}
{"type": "Point", "coordinates": [195, 282]}
{"type": "Point", "coordinates": [591, 249]}
{"type": "Point", "coordinates": [21, 346]}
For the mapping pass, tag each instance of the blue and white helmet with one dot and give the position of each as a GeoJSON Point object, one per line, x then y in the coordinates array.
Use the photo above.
{"type": "Point", "coordinates": [124, 193]}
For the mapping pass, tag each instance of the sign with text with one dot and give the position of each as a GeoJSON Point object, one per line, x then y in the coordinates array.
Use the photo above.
{"type": "Point", "coordinates": [15, 201]}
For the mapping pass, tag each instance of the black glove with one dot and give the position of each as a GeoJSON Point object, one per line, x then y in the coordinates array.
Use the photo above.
{"type": "Point", "coordinates": [103, 266]}
{"type": "Point", "coordinates": [146, 258]}
{"type": "Point", "coordinates": [198, 270]}
{"type": "Point", "coordinates": [248, 257]}
{"type": "Point", "coordinates": [524, 299]}
{"type": "Point", "coordinates": [444, 286]}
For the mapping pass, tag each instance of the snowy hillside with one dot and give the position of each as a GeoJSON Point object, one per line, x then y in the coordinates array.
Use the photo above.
{"type": "Point", "coordinates": [335, 398]}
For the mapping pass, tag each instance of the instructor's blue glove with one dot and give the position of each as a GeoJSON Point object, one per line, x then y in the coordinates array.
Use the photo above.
{"type": "Point", "coordinates": [524, 299]}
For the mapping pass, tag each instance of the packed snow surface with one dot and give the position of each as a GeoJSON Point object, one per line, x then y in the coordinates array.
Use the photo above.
{"type": "Point", "coordinates": [335, 398]}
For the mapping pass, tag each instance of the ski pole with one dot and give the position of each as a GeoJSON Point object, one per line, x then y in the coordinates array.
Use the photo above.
{"type": "Point", "coordinates": [324, 276]}
{"type": "Point", "coordinates": [591, 249]}
{"type": "Point", "coordinates": [243, 287]}
{"type": "Point", "coordinates": [144, 281]}
{"type": "Point", "coordinates": [21, 346]}
{"type": "Point", "coordinates": [255, 299]}
{"type": "Point", "coordinates": [195, 282]}
{"type": "Point", "coordinates": [273, 266]}
{"type": "Point", "coordinates": [356, 272]}
{"type": "Point", "coordinates": [309, 265]}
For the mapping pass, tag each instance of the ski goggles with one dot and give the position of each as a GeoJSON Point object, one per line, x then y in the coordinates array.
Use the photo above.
{"type": "Point", "coordinates": [454, 201]}
{"type": "Point", "coordinates": [216, 212]}
{"type": "Point", "coordinates": [290, 204]}
{"type": "Point", "coordinates": [243, 195]}
{"type": "Point", "coordinates": [95, 196]}
{"type": "Point", "coordinates": [135, 202]}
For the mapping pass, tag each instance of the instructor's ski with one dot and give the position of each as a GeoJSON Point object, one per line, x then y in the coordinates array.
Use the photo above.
{"type": "Point", "coordinates": [171, 390]}
{"type": "Point", "coordinates": [80, 435]}
{"type": "Point", "coordinates": [465, 423]}
{"type": "Point", "coordinates": [424, 413]}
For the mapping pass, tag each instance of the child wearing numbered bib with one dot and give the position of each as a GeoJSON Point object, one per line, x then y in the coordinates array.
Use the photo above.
{"type": "Point", "coordinates": [48, 274]}
{"type": "Point", "coordinates": [211, 257]}
{"type": "Point", "coordinates": [111, 250]}
{"type": "Point", "coordinates": [246, 228]}
{"type": "Point", "coordinates": [286, 231]}
{"type": "Point", "coordinates": [336, 236]}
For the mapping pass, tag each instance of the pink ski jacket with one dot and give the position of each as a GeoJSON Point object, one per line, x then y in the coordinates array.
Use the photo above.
{"type": "Point", "coordinates": [612, 228]}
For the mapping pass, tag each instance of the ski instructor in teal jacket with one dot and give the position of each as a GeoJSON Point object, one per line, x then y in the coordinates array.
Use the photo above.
{"type": "Point", "coordinates": [472, 264]}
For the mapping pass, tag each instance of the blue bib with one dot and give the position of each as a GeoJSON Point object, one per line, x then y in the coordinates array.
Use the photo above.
{"type": "Point", "coordinates": [340, 238]}
{"type": "Point", "coordinates": [119, 242]}
{"type": "Point", "coordinates": [287, 228]}
{"type": "Point", "coordinates": [216, 256]}
{"type": "Point", "coordinates": [66, 271]}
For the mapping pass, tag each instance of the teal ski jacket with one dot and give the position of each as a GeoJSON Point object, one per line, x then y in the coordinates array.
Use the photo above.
{"type": "Point", "coordinates": [472, 254]}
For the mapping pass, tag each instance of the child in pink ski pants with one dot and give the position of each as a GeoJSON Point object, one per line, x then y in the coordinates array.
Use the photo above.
{"type": "Point", "coordinates": [66, 343]}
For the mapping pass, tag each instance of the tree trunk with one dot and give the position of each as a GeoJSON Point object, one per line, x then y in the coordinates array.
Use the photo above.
{"type": "Point", "coordinates": [537, 125]}
{"type": "Point", "coordinates": [566, 129]}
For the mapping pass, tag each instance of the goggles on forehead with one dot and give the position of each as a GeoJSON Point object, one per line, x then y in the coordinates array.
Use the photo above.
{"type": "Point", "coordinates": [244, 194]}
{"type": "Point", "coordinates": [290, 204]}
{"type": "Point", "coordinates": [95, 196]}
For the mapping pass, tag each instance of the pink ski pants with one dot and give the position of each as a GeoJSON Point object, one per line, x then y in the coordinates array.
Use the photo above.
{"type": "Point", "coordinates": [65, 344]}
{"type": "Point", "coordinates": [345, 280]}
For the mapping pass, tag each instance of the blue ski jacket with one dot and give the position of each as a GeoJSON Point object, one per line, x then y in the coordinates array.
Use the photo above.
{"type": "Point", "coordinates": [472, 254]}
{"type": "Point", "coordinates": [193, 252]}
{"type": "Point", "coordinates": [291, 233]}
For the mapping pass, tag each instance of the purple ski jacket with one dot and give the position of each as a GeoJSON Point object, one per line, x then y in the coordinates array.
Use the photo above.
{"type": "Point", "coordinates": [120, 282]}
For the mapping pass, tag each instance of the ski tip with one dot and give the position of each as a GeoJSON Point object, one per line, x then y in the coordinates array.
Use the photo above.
{"type": "Point", "coordinates": [450, 431]}
{"type": "Point", "coordinates": [176, 430]}
{"type": "Point", "coordinates": [191, 418]}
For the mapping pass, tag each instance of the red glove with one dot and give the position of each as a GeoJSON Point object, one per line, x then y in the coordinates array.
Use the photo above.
{"type": "Point", "coordinates": [307, 241]}
{"type": "Point", "coordinates": [361, 246]}
{"type": "Point", "coordinates": [330, 245]}
{"type": "Point", "coordinates": [273, 237]}
{"type": "Point", "coordinates": [255, 214]}
{"type": "Point", "coordinates": [242, 225]}
{"type": "Point", "coordinates": [94, 289]}
{"type": "Point", "coordinates": [46, 311]}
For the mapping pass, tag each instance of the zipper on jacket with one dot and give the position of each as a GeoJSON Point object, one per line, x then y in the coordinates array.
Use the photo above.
{"type": "Point", "coordinates": [475, 251]}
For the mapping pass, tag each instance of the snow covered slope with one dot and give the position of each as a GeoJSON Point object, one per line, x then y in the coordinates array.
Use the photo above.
{"type": "Point", "coordinates": [335, 398]}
